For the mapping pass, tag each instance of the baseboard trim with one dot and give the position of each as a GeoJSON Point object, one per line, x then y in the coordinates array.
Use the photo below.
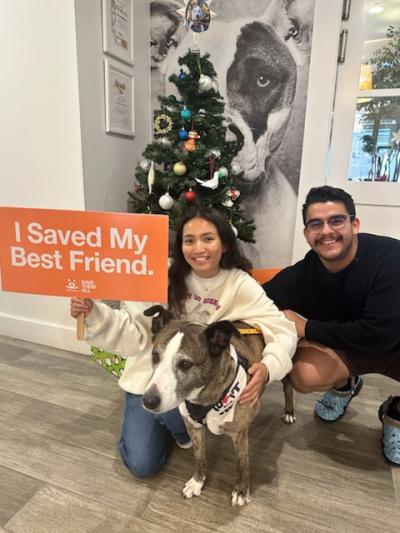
{"type": "Point", "coordinates": [46, 333]}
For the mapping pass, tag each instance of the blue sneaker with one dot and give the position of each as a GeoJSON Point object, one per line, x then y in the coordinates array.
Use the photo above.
{"type": "Point", "coordinates": [390, 432]}
{"type": "Point", "coordinates": [333, 404]}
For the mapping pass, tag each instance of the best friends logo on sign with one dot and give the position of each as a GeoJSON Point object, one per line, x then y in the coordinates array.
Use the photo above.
{"type": "Point", "coordinates": [79, 253]}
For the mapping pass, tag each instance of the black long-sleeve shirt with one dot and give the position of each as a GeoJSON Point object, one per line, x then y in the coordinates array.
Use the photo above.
{"type": "Point", "coordinates": [357, 308]}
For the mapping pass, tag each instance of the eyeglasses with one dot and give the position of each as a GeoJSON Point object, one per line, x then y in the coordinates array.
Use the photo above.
{"type": "Point", "coordinates": [334, 222]}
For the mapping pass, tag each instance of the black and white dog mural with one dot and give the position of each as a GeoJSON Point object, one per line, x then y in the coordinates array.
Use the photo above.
{"type": "Point", "coordinates": [261, 52]}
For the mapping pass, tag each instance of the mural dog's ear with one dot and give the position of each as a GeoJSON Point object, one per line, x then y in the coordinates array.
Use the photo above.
{"type": "Point", "coordinates": [218, 336]}
{"type": "Point", "coordinates": [159, 321]}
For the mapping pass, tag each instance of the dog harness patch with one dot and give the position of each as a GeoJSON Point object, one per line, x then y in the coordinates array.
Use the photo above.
{"type": "Point", "coordinates": [215, 416]}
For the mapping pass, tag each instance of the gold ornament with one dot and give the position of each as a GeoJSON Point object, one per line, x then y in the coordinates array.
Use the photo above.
{"type": "Point", "coordinates": [179, 169]}
{"type": "Point", "coordinates": [162, 124]}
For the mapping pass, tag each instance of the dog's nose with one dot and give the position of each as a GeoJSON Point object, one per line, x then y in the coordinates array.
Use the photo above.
{"type": "Point", "coordinates": [151, 398]}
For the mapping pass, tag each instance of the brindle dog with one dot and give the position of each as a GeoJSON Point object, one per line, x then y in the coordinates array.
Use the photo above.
{"type": "Point", "coordinates": [195, 366]}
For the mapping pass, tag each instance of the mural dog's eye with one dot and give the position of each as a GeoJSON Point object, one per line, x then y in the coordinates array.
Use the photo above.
{"type": "Point", "coordinates": [155, 357]}
{"type": "Point", "coordinates": [263, 81]}
{"type": "Point", "coordinates": [172, 43]}
{"type": "Point", "coordinates": [185, 364]}
{"type": "Point", "coordinates": [293, 31]}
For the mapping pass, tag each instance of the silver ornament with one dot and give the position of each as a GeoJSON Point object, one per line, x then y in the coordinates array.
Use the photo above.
{"type": "Point", "coordinates": [166, 201]}
{"type": "Point", "coordinates": [164, 140]}
{"type": "Point", "coordinates": [215, 152]}
{"type": "Point", "coordinates": [236, 169]}
{"type": "Point", "coordinates": [144, 164]}
{"type": "Point", "coordinates": [205, 83]}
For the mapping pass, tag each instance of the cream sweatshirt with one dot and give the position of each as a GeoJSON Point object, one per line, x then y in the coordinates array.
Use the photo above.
{"type": "Point", "coordinates": [230, 295]}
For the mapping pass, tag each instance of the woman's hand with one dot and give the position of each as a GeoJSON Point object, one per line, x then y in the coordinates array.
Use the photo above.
{"type": "Point", "coordinates": [255, 387]}
{"type": "Point", "coordinates": [79, 306]}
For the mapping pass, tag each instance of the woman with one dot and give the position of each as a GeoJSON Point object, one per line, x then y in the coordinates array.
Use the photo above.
{"type": "Point", "coordinates": [208, 281]}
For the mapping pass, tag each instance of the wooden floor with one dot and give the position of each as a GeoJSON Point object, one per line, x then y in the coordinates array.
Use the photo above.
{"type": "Point", "coordinates": [59, 471]}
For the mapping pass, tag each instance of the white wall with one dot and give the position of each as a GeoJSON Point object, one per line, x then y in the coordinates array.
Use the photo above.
{"type": "Point", "coordinates": [318, 123]}
{"type": "Point", "coordinates": [40, 163]}
{"type": "Point", "coordinates": [109, 160]}
{"type": "Point", "coordinates": [381, 220]}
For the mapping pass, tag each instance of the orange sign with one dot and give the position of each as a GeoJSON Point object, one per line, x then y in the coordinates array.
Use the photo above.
{"type": "Point", "coordinates": [116, 256]}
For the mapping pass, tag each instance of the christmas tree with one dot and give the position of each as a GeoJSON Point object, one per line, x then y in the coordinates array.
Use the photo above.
{"type": "Point", "coordinates": [190, 162]}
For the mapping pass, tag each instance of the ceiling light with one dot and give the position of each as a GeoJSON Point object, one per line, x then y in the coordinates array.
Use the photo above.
{"type": "Point", "coordinates": [376, 7]}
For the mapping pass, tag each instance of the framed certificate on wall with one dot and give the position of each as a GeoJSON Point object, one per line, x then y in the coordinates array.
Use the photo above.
{"type": "Point", "coordinates": [118, 29]}
{"type": "Point", "coordinates": [119, 98]}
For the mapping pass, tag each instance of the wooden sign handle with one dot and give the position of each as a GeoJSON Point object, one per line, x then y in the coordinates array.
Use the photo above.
{"type": "Point", "coordinates": [80, 327]}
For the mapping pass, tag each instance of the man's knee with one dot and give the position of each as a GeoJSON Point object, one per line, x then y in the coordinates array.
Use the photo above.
{"type": "Point", "coordinates": [304, 378]}
{"type": "Point", "coordinates": [316, 368]}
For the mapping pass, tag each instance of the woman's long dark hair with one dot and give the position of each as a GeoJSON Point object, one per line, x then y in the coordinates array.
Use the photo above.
{"type": "Point", "coordinates": [231, 258]}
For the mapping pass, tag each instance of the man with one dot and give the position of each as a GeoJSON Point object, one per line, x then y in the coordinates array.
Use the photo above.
{"type": "Point", "coordinates": [348, 289]}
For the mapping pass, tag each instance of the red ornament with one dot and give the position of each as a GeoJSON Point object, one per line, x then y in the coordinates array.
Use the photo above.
{"type": "Point", "coordinates": [190, 196]}
{"type": "Point", "coordinates": [233, 194]}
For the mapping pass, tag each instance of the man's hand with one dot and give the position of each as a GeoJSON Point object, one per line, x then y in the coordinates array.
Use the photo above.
{"type": "Point", "coordinates": [255, 387]}
{"type": "Point", "coordinates": [299, 322]}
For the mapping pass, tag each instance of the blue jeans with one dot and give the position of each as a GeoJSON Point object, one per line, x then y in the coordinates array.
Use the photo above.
{"type": "Point", "coordinates": [146, 438]}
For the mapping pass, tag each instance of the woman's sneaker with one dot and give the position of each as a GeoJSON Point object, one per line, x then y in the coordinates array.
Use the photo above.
{"type": "Point", "coordinates": [185, 445]}
{"type": "Point", "coordinates": [333, 404]}
{"type": "Point", "coordinates": [389, 415]}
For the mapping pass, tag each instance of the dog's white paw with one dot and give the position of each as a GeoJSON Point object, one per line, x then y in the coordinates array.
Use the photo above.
{"type": "Point", "coordinates": [288, 418]}
{"type": "Point", "coordinates": [238, 500]}
{"type": "Point", "coordinates": [193, 487]}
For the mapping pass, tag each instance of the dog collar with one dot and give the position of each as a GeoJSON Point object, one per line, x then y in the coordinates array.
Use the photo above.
{"type": "Point", "coordinates": [250, 331]}
{"type": "Point", "coordinates": [216, 414]}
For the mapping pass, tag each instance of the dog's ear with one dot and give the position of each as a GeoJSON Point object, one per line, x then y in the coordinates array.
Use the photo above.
{"type": "Point", "coordinates": [218, 336]}
{"type": "Point", "coordinates": [159, 321]}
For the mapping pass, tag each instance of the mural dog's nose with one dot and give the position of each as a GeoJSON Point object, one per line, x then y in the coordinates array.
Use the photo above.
{"type": "Point", "coordinates": [151, 398]}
